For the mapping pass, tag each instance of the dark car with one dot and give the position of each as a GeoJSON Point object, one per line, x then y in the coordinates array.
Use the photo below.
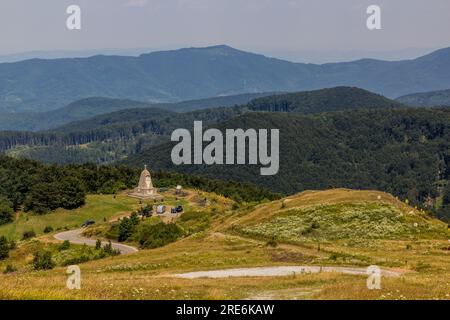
{"type": "Point", "coordinates": [88, 223]}
{"type": "Point", "coordinates": [177, 209]}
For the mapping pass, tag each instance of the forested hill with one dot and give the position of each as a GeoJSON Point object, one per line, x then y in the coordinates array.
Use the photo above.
{"type": "Point", "coordinates": [324, 100]}
{"type": "Point", "coordinates": [169, 76]}
{"type": "Point", "coordinates": [90, 107]}
{"type": "Point", "coordinates": [427, 99]}
{"type": "Point", "coordinates": [150, 125]}
{"type": "Point", "coordinates": [401, 151]}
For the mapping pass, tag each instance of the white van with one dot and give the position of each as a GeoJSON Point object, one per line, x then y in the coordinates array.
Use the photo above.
{"type": "Point", "coordinates": [160, 209]}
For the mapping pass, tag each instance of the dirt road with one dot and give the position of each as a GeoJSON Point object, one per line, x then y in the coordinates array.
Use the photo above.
{"type": "Point", "coordinates": [278, 272]}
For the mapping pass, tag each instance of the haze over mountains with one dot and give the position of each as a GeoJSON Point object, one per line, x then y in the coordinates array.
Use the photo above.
{"type": "Point", "coordinates": [195, 73]}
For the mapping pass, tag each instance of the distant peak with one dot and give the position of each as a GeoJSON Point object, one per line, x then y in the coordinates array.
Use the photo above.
{"type": "Point", "coordinates": [218, 49]}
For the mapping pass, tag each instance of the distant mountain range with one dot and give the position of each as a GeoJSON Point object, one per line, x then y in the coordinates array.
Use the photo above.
{"type": "Point", "coordinates": [195, 73]}
{"type": "Point", "coordinates": [427, 99]}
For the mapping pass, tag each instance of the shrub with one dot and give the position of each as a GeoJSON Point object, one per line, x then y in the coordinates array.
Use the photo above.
{"type": "Point", "coordinates": [43, 260]}
{"type": "Point", "coordinates": [10, 269]}
{"type": "Point", "coordinates": [65, 245]}
{"type": "Point", "coordinates": [4, 248]}
{"type": "Point", "coordinates": [28, 234]}
{"type": "Point", "coordinates": [12, 245]}
{"type": "Point", "coordinates": [48, 229]}
{"type": "Point", "coordinates": [158, 235]}
{"type": "Point", "coordinates": [98, 244]}
{"type": "Point", "coordinates": [109, 250]}
{"type": "Point", "coordinates": [6, 212]}
{"type": "Point", "coordinates": [272, 242]}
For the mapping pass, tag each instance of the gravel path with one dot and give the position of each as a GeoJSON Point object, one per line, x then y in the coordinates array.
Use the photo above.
{"type": "Point", "coordinates": [75, 236]}
{"type": "Point", "coordinates": [277, 272]}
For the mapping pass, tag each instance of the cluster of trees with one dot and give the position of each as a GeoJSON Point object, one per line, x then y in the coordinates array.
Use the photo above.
{"type": "Point", "coordinates": [127, 226]}
{"type": "Point", "coordinates": [147, 232]}
{"type": "Point", "coordinates": [38, 188]}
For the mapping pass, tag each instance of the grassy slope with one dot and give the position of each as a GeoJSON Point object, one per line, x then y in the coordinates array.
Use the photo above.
{"type": "Point", "coordinates": [144, 275]}
{"type": "Point", "coordinates": [97, 208]}
{"type": "Point", "coordinates": [340, 214]}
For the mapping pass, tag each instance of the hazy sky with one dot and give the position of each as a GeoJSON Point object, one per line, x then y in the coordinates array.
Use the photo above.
{"type": "Point", "coordinates": [269, 26]}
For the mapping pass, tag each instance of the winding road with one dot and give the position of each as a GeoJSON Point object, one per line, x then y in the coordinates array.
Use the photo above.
{"type": "Point", "coordinates": [75, 236]}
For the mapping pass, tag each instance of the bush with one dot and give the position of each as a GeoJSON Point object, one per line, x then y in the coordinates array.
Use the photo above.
{"type": "Point", "coordinates": [158, 235]}
{"type": "Point", "coordinates": [272, 242]}
{"type": "Point", "coordinates": [98, 244]}
{"type": "Point", "coordinates": [10, 269]}
{"type": "Point", "coordinates": [6, 212]}
{"type": "Point", "coordinates": [127, 227]}
{"type": "Point", "coordinates": [48, 229]}
{"type": "Point", "coordinates": [108, 248]}
{"type": "Point", "coordinates": [4, 248]}
{"type": "Point", "coordinates": [64, 246]}
{"type": "Point", "coordinates": [28, 234]}
{"type": "Point", "coordinates": [43, 260]}
{"type": "Point", "coordinates": [12, 245]}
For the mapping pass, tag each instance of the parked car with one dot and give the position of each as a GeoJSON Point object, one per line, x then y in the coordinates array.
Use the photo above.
{"type": "Point", "coordinates": [146, 211]}
{"type": "Point", "coordinates": [176, 209]}
{"type": "Point", "coordinates": [88, 223]}
{"type": "Point", "coordinates": [160, 209]}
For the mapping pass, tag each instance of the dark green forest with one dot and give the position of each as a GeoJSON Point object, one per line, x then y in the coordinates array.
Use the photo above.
{"type": "Point", "coordinates": [110, 137]}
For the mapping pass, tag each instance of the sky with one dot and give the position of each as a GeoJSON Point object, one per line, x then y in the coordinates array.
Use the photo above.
{"type": "Point", "coordinates": [298, 30]}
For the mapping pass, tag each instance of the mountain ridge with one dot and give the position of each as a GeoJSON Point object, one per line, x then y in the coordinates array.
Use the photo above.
{"type": "Point", "coordinates": [196, 73]}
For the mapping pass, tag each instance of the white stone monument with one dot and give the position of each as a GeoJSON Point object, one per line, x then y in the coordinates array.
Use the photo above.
{"type": "Point", "coordinates": [145, 189]}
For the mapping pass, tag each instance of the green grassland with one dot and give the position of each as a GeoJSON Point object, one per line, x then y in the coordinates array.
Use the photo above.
{"type": "Point", "coordinates": [323, 228]}
{"type": "Point", "coordinates": [98, 208]}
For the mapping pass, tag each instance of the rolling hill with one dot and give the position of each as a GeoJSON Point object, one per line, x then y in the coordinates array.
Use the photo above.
{"type": "Point", "coordinates": [143, 127]}
{"type": "Point", "coordinates": [194, 73]}
{"type": "Point", "coordinates": [338, 214]}
{"type": "Point", "coordinates": [91, 107]}
{"type": "Point", "coordinates": [427, 99]}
